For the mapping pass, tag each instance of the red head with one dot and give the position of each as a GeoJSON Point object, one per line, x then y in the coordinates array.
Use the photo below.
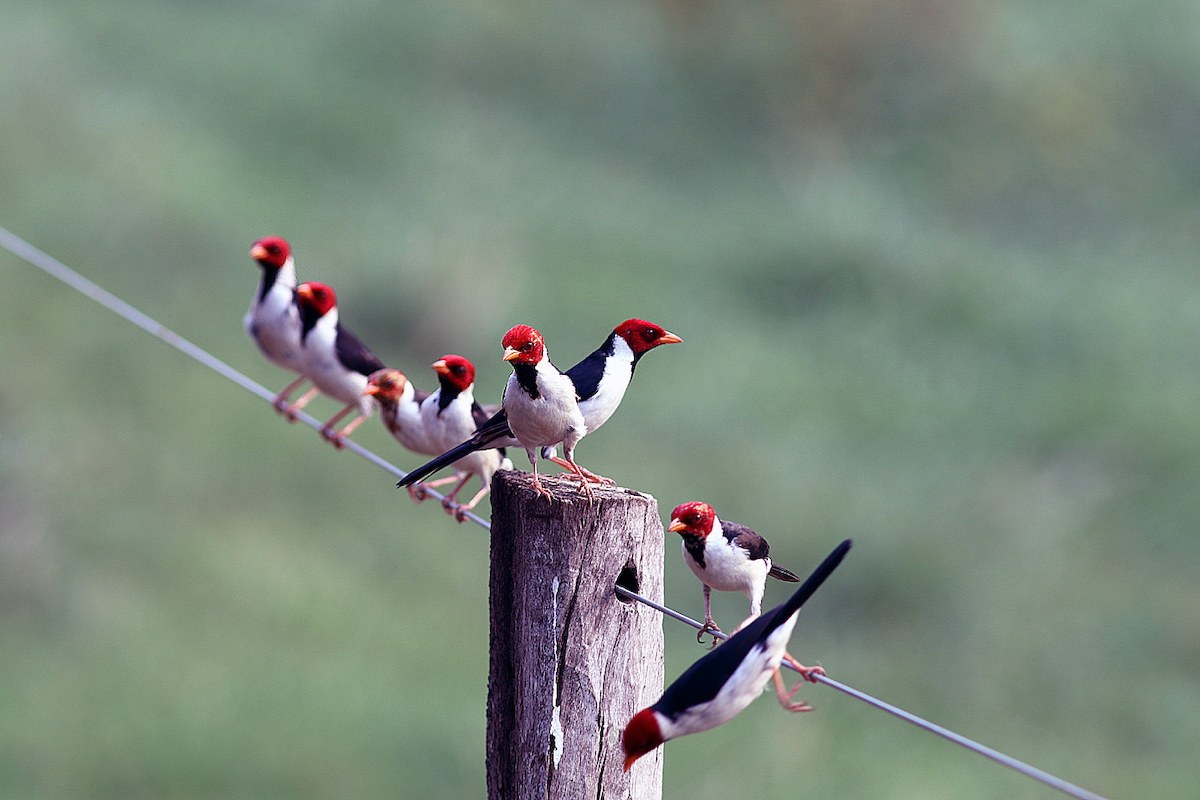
{"type": "Point", "coordinates": [523, 345]}
{"type": "Point", "coordinates": [642, 335]}
{"type": "Point", "coordinates": [315, 297]}
{"type": "Point", "coordinates": [455, 370]}
{"type": "Point", "coordinates": [693, 518]}
{"type": "Point", "coordinates": [642, 735]}
{"type": "Point", "coordinates": [271, 251]}
{"type": "Point", "coordinates": [387, 384]}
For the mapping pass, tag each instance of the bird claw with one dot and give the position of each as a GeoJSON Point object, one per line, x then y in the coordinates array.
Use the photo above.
{"type": "Point", "coordinates": [785, 697]}
{"type": "Point", "coordinates": [459, 512]}
{"type": "Point", "coordinates": [709, 627]}
{"type": "Point", "coordinates": [417, 492]}
{"type": "Point", "coordinates": [335, 438]}
{"type": "Point", "coordinates": [542, 490]}
{"type": "Point", "coordinates": [807, 673]}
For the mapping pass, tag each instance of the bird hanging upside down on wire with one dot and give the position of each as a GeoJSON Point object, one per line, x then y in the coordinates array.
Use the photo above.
{"type": "Point", "coordinates": [720, 685]}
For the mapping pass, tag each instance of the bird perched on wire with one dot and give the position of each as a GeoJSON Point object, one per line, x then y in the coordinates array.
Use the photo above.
{"type": "Point", "coordinates": [400, 409]}
{"type": "Point", "coordinates": [720, 685]}
{"type": "Point", "coordinates": [725, 556]}
{"type": "Point", "coordinates": [335, 360]}
{"type": "Point", "coordinates": [273, 320]}
{"type": "Point", "coordinates": [449, 416]}
{"type": "Point", "coordinates": [600, 381]}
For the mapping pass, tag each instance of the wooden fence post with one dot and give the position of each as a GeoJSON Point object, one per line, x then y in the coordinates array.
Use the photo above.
{"type": "Point", "coordinates": [571, 662]}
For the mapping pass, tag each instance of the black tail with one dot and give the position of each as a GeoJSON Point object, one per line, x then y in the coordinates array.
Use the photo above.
{"type": "Point", "coordinates": [487, 433]}
{"type": "Point", "coordinates": [783, 574]}
{"type": "Point", "coordinates": [789, 606]}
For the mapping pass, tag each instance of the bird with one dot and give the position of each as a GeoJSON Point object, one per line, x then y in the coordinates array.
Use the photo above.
{"type": "Point", "coordinates": [273, 320]}
{"type": "Point", "coordinates": [335, 360]}
{"type": "Point", "coordinates": [718, 686]}
{"type": "Point", "coordinates": [725, 556]}
{"type": "Point", "coordinates": [451, 414]}
{"type": "Point", "coordinates": [600, 382]}
{"type": "Point", "coordinates": [542, 404]}
{"type": "Point", "coordinates": [400, 409]}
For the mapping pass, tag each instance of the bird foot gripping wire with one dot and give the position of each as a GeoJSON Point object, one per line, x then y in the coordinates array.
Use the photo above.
{"type": "Point", "coordinates": [807, 673]}
{"type": "Point", "coordinates": [709, 627]}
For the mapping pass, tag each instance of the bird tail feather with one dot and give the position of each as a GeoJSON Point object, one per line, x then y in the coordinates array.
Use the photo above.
{"type": "Point", "coordinates": [782, 574]}
{"type": "Point", "coordinates": [494, 429]}
{"type": "Point", "coordinates": [813, 582]}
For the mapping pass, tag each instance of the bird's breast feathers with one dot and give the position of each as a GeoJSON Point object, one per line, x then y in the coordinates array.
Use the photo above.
{"type": "Point", "coordinates": [553, 416]}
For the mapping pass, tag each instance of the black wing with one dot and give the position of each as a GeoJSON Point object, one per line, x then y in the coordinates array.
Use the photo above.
{"type": "Point", "coordinates": [755, 546]}
{"type": "Point", "coordinates": [354, 354]}
{"type": "Point", "coordinates": [704, 679]}
{"type": "Point", "coordinates": [586, 374]}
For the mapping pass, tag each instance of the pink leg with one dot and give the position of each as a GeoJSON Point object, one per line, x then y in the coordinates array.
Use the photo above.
{"type": "Point", "coordinates": [583, 474]}
{"type": "Point", "coordinates": [709, 623]}
{"type": "Point", "coordinates": [461, 513]}
{"type": "Point", "coordinates": [785, 697]}
{"type": "Point", "coordinates": [280, 401]}
{"type": "Point", "coordinates": [335, 437]}
{"type": "Point", "coordinates": [290, 411]}
{"type": "Point", "coordinates": [807, 673]}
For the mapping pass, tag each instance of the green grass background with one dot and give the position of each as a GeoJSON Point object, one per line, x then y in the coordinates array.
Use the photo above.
{"type": "Point", "coordinates": [934, 265]}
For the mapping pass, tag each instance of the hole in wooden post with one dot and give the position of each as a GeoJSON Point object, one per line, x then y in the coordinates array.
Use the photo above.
{"type": "Point", "coordinates": [628, 579]}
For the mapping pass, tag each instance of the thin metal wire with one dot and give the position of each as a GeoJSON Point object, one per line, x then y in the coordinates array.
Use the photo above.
{"type": "Point", "coordinates": [22, 249]}
{"type": "Point", "coordinates": [945, 733]}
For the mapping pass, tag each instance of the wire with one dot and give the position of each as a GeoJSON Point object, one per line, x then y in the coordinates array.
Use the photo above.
{"type": "Point", "coordinates": [22, 249]}
{"type": "Point", "coordinates": [945, 733]}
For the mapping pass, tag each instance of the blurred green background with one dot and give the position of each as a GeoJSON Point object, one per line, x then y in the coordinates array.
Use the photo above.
{"type": "Point", "coordinates": [934, 264]}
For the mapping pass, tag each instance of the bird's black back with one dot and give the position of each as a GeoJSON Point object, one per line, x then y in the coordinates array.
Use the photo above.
{"type": "Point", "coordinates": [354, 354]}
{"type": "Point", "coordinates": [586, 374]}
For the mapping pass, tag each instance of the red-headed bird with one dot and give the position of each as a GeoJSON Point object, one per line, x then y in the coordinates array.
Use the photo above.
{"type": "Point", "coordinates": [450, 415]}
{"type": "Point", "coordinates": [720, 685]}
{"type": "Point", "coordinates": [600, 381]}
{"type": "Point", "coordinates": [725, 556]}
{"type": "Point", "coordinates": [273, 320]}
{"type": "Point", "coordinates": [335, 360]}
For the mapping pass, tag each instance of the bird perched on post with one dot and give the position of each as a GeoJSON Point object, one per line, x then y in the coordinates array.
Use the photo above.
{"type": "Point", "coordinates": [335, 360]}
{"type": "Point", "coordinates": [725, 556]}
{"type": "Point", "coordinates": [720, 685]}
{"type": "Point", "coordinates": [273, 320]}
{"type": "Point", "coordinates": [542, 404]}
{"type": "Point", "coordinates": [600, 381]}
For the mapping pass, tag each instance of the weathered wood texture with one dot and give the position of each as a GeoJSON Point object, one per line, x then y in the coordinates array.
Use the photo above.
{"type": "Point", "coordinates": [570, 662]}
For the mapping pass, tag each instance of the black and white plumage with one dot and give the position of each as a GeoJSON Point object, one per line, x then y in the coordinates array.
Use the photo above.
{"type": "Point", "coordinates": [600, 382]}
{"type": "Point", "coordinates": [719, 686]}
{"type": "Point", "coordinates": [725, 556]}
{"type": "Point", "coordinates": [273, 320]}
{"type": "Point", "coordinates": [335, 360]}
{"type": "Point", "coordinates": [450, 415]}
